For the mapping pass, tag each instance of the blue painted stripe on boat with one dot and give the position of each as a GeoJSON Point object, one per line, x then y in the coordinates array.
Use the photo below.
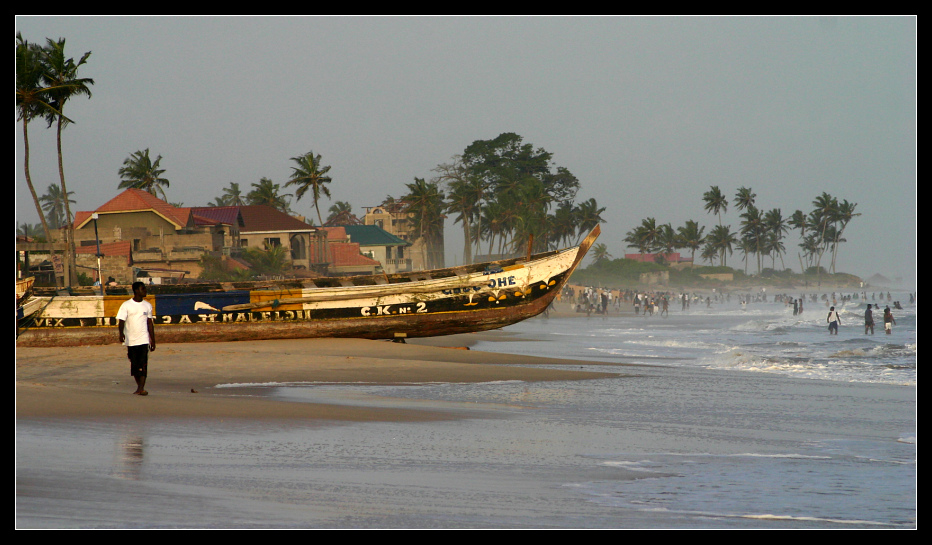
{"type": "Point", "coordinates": [184, 303]}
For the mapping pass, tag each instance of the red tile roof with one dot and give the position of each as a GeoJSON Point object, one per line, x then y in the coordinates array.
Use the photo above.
{"type": "Point", "coordinates": [336, 234]}
{"type": "Point", "coordinates": [135, 200]}
{"type": "Point", "coordinates": [260, 217]}
{"type": "Point", "coordinates": [347, 254]}
{"type": "Point", "coordinates": [209, 215]}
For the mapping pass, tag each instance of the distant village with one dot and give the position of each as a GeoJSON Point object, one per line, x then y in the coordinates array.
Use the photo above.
{"type": "Point", "coordinates": [137, 236]}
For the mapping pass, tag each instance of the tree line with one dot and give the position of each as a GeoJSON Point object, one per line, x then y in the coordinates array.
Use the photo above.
{"type": "Point", "coordinates": [506, 194]}
{"type": "Point", "coordinates": [761, 233]}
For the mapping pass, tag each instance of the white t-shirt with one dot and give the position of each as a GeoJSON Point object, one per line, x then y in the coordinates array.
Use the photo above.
{"type": "Point", "coordinates": [136, 317]}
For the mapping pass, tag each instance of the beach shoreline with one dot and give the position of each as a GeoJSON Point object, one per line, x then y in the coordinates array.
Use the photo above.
{"type": "Point", "coordinates": [434, 433]}
{"type": "Point", "coordinates": [94, 381]}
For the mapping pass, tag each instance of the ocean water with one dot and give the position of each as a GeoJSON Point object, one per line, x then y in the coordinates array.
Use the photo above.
{"type": "Point", "coordinates": [720, 417]}
{"type": "Point", "coordinates": [757, 337]}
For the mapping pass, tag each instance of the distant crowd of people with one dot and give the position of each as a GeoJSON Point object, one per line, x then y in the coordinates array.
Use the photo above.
{"type": "Point", "coordinates": [593, 300]}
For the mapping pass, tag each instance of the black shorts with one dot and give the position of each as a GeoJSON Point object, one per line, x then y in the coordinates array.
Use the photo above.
{"type": "Point", "coordinates": [138, 360]}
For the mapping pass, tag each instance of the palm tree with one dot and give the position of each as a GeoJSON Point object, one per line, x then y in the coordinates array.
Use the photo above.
{"type": "Point", "coordinates": [588, 215]}
{"type": "Point", "coordinates": [775, 228]}
{"type": "Point", "coordinates": [800, 221]}
{"type": "Point", "coordinates": [752, 231]}
{"type": "Point", "coordinates": [309, 175]}
{"type": "Point", "coordinates": [691, 236]}
{"type": "Point", "coordinates": [746, 246]}
{"type": "Point", "coordinates": [715, 202]}
{"type": "Point", "coordinates": [232, 196]}
{"type": "Point", "coordinates": [271, 261]}
{"type": "Point", "coordinates": [843, 216]}
{"type": "Point", "coordinates": [645, 237]}
{"type": "Point", "coordinates": [341, 213]}
{"type": "Point", "coordinates": [141, 172]}
{"type": "Point", "coordinates": [773, 245]}
{"type": "Point", "coordinates": [29, 230]}
{"type": "Point", "coordinates": [55, 205]}
{"type": "Point", "coordinates": [637, 238]}
{"type": "Point", "coordinates": [461, 203]}
{"type": "Point", "coordinates": [565, 220]}
{"type": "Point", "coordinates": [424, 202]}
{"type": "Point", "coordinates": [466, 193]}
{"type": "Point", "coordinates": [744, 198]}
{"type": "Point", "coordinates": [267, 192]}
{"type": "Point", "coordinates": [667, 241]}
{"type": "Point", "coordinates": [495, 218]}
{"type": "Point", "coordinates": [60, 75]}
{"type": "Point", "coordinates": [722, 240]}
{"type": "Point", "coordinates": [531, 225]}
{"type": "Point", "coordinates": [821, 217]}
{"type": "Point", "coordinates": [600, 252]}
{"type": "Point", "coordinates": [31, 101]}
{"type": "Point", "coordinates": [709, 252]}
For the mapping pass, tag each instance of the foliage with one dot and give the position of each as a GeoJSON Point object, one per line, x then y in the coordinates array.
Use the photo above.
{"type": "Point", "coordinates": [761, 232]}
{"type": "Point", "coordinates": [213, 270]}
{"type": "Point", "coordinates": [310, 175]}
{"type": "Point", "coordinates": [507, 193]}
{"type": "Point", "coordinates": [46, 78]}
{"type": "Point", "coordinates": [268, 262]}
{"type": "Point", "coordinates": [267, 192]}
{"type": "Point", "coordinates": [424, 201]}
{"type": "Point", "coordinates": [55, 206]}
{"type": "Point", "coordinates": [341, 213]}
{"type": "Point", "coordinates": [139, 171]}
{"type": "Point", "coordinates": [232, 196]}
{"type": "Point", "coordinates": [614, 272]}
{"type": "Point", "coordinates": [262, 262]}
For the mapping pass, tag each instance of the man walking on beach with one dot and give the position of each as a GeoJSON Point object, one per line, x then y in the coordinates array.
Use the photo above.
{"type": "Point", "coordinates": [137, 332]}
{"type": "Point", "coordinates": [833, 321]}
{"type": "Point", "coordinates": [868, 320]}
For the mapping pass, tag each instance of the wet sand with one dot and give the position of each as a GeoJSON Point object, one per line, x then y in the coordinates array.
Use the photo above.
{"type": "Point", "coordinates": [90, 382]}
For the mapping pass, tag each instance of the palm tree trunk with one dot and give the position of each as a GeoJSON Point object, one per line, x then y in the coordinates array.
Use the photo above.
{"type": "Point", "coordinates": [32, 190]}
{"type": "Point", "coordinates": [467, 246]}
{"type": "Point", "coordinates": [69, 221]}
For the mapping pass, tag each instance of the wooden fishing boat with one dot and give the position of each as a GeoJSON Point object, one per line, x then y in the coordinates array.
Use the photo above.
{"type": "Point", "coordinates": [26, 305]}
{"type": "Point", "coordinates": [429, 303]}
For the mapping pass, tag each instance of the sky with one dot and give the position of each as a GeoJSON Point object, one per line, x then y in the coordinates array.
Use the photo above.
{"type": "Point", "coordinates": [647, 112]}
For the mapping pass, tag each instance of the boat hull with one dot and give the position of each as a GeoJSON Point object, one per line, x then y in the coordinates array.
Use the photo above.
{"type": "Point", "coordinates": [479, 301]}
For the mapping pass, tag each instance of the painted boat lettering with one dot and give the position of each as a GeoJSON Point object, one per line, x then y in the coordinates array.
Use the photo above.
{"type": "Point", "coordinates": [502, 282]}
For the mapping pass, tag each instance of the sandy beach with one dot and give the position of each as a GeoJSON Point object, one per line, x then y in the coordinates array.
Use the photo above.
{"type": "Point", "coordinates": [95, 382]}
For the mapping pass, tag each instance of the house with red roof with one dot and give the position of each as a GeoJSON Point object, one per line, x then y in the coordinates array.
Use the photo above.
{"type": "Point", "coordinates": [161, 241]}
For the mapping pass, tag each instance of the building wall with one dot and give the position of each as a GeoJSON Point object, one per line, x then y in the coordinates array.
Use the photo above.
{"type": "Point", "coordinates": [301, 247]}
{"type": "Point", "coordinates": [400, 225]}
{"type": "Point", "coordinates": [110, 266]}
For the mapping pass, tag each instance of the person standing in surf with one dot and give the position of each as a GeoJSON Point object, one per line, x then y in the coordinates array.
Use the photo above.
{"type": "Point", "coordinates": [868, 320]}
{"type": "Point", "coordinates": [833, 321]}
{"type": "Point", "coordinates": [137, 333]}
{"type": "Point", "coordinates": [888, 321]}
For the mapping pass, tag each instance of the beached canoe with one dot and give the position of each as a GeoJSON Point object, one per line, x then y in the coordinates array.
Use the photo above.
{"type": "Point", "coordinates": [423, 304]}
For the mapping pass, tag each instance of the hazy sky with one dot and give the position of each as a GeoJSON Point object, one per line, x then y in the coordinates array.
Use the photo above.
{"type": "Point", "coordinates": [647, 112]}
